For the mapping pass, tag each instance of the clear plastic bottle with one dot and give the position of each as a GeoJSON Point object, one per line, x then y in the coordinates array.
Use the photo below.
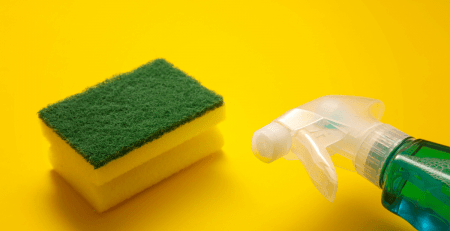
{"type": "Point", "coordinates": [416, 184]}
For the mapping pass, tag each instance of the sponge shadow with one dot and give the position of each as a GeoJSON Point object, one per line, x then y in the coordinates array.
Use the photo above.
{"type": "Point", "coordinates": [177, 192]}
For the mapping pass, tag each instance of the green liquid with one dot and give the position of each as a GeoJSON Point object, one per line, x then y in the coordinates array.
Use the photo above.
{"type": "Point", "coordinates": [417, 185]}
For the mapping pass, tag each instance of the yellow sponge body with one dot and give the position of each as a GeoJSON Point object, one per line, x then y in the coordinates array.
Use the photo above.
{"type": "Point", "coordinates": [141, 168]}
{"type": "Point", "coordinates": [66, 162]}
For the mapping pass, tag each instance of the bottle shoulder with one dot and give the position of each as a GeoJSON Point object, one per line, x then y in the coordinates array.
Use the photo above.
{"type": "Point", "coordinates": [417, 186]}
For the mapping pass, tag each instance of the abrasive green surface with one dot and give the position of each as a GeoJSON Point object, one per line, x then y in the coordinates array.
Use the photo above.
{"type": "Point", "coordinates": [120, 114]}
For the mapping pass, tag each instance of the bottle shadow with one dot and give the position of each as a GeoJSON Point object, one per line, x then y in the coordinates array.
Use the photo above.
{"type": "Point", "coordinates": [367, 219]}
{"type": "Point", "coordinates": [176, 192]}
{"type": "Point", "coordinates": [354, 216]}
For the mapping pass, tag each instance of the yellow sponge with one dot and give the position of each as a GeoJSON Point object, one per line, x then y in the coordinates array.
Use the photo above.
{"type": "Point", "coordinates": [131, 131]}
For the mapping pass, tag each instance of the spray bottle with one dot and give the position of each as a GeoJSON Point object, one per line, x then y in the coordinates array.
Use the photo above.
{"type": "Point", "coordinates": [414, 174]}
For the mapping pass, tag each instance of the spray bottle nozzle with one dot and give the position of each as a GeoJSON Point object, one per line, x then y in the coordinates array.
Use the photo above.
{"type": "Point", "coordinates": [271, 142]}
{"type": "Point", "coordinates": [322, 127]}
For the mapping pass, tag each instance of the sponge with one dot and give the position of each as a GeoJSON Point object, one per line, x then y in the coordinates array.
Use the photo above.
{"type": "Point", "coordinates": [129, 132]}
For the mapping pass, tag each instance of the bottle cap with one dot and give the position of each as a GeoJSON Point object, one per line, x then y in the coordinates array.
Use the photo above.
{"type": "Point", "coordinates": [345, 125]}
{"type": "Point", "coordinates": [375, 149]}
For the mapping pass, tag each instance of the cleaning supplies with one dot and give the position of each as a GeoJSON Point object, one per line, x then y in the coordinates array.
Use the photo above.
{"type": "Point", "coordinates": [131, 131]}
{"type": "Point", "coordinates": [414, 174]}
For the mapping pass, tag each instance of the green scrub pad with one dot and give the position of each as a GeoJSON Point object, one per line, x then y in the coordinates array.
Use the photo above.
{"type": "Point", "coordinates": [123, 113]}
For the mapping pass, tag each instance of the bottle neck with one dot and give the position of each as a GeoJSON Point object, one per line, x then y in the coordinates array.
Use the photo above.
{"type": "Point", "coordinates": [376, 150]}
{"type": "Point", "coordinates": [405, 144]}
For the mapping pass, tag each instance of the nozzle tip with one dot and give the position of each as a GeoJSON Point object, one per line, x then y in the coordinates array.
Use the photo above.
{"type": "Point", "coordinates": [271, 142]}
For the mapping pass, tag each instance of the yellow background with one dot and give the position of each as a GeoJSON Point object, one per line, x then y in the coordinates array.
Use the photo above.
{"type": "Point", "coordinates": [264, 57]}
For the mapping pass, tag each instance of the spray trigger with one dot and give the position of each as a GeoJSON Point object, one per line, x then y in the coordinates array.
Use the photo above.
{"type": "Point", "coordinates": [318, 164]}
